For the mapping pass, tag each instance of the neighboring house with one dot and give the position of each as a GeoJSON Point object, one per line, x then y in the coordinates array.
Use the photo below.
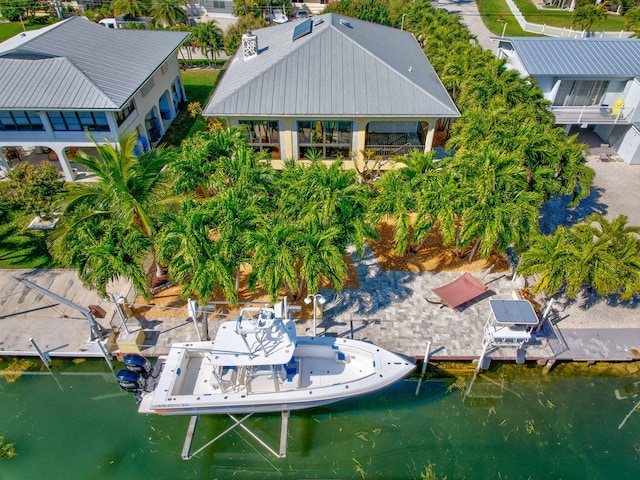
{"type": "Point", "coordinates": [591, 83]}
{"type": "Point", "coordinates": [332, 86]}
{"type": "Point", "coordinates": [75, 78]}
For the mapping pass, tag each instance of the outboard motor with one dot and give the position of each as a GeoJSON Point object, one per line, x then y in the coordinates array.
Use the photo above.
{"type": "Point", "coordinates": [129, 381]}
{"type": "Point", "coordinates": [138, 364]}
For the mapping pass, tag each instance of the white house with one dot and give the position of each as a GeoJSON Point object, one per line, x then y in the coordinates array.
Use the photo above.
{"type": "Point", "coordinates": [334, 87]}
{"type": "Point", "coordinates": [75, 78]}
{"type": "Point", "coordinates": [591, 83]}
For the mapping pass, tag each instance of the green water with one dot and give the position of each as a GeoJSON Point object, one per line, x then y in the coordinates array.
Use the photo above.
{"type": "Point", "coordinates": [535, 428]}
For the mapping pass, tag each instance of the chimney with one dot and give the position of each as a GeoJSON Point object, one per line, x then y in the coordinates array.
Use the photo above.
{"type": "Point", "coordinates": [249, 45]}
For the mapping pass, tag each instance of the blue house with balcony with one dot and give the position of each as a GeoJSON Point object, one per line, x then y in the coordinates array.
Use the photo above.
{"type": "Point", "coordinates": [591, 83]}
{"type": "Point", "coordinates": [76, 77]}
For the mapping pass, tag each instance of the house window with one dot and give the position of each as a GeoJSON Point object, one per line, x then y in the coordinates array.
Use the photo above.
{"type": "Point", "coordinates": [263, 136]}
{"type": "Point", "coordinates": [123, 114]}
{"type": "Point", "coordinates": [20, 121]}
{"type": "Point", "coordinates": [329, 139]}
{"type": "Point", "coordinates": [580, 93]}
{"type": "Point", "coordinates": [78, 121]}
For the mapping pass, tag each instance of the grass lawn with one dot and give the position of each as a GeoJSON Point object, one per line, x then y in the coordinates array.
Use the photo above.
{"type": "Point", "coordinates": [562, 18]}
{"type": "Point", "coordinates": [198, 85]}
{"type": "Point", "coordinates": [490, 11]}
{"type": "Point", "coordinates": [11, 29]}
{"type": "Point", "coordinates": [20, 247]}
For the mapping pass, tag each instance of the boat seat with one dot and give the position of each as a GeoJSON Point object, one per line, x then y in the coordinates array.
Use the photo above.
{"type": "Point", "coordinates": [224, 378]}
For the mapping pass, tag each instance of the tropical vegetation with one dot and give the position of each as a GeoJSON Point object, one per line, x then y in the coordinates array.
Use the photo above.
{"type": "Point", "coordinates": [32, 188]}
{"type": "Point", "coordinates": [597, 253]}
{"type": "Point", "coordinates": [210, 208]}
{"type": "Point", "coordinates": [108, 225]}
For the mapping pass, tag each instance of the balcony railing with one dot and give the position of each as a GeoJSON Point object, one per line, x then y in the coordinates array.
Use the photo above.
{"type": "Point", "coordinates": [389, 151]}
{"type": "Point", "coordinates": [602, 114]}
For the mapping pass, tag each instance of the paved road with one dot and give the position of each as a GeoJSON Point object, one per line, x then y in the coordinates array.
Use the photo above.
{"type": "Point", "coordinates": [468, 10]}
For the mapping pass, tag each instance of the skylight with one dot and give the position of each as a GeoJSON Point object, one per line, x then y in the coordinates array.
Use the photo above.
{"type": "Point", "coordinates": [303, 29]}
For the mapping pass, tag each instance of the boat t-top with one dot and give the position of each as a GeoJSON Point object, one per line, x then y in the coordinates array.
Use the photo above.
{"type": "Point", "coordinates": [258, 364]}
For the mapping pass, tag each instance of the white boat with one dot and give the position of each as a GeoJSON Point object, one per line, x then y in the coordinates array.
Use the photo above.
{"type": "Point", "coordinates": [258, 364]}
{"type": "Point", "coordinates": [278, 17]}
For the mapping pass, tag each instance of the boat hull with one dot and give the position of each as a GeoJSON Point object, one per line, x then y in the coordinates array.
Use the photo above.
{"type": "Point", "coordinates": [324, 370]}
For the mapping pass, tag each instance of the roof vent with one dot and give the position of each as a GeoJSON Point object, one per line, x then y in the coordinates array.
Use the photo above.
{"type": "Point", "coordinates": [345, 23]}
{"type": "Point", "coordinates": [249, 45]}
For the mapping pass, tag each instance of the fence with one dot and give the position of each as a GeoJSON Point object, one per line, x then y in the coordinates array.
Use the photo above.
{"type": "Point", "coordinates": [557, 31]}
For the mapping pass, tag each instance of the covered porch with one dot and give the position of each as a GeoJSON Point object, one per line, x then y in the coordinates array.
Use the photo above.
{"type": "Point", "coordinates": [12, 155]}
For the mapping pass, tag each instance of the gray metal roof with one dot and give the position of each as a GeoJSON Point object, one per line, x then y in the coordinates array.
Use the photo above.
{"type": "Point", "coordinates": [355, 70]}
{"type": "Point", "coordinates": [589, 57]}
{"type": "Point", "coordinates": [78, 64]}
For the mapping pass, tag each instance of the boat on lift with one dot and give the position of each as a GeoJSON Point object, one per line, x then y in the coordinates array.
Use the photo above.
{"type": "Point", "coordinates": [258, 364]}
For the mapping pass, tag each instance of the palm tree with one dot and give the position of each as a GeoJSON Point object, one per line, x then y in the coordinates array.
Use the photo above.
{"type": "Point", "coordinates": [603, 255]}
{"type": "Point", "coordinates": [135, 8]}
{"type": "Point", "coordinates": [168, 12]}
{"type": "Point", "coordinates": [547, 257]}
{"type": "Point", "coordinates": [396, 199]}
{"type": "Point", "coordinates": [500, 210]}
{"type": "Point", "coordinates": [586, 16]}
{"type": "Point", "coordinates": [195, 164]}
{"type": "Point", "coordinates": [210, 39]}
{"type": "Point", "coordinates": [129, 191]}
{"type": "Point", "coordinates": [273, 258]}
{"type": "Point", "coordinates": [632, 21]}
{"type": "Point", "coordinates": [195, 259]}
{"type": "Point", "coordinates": [103, 251]}
{"type": "Point", "coordinates": [330, 197]}
{"type": "Point", "coordinates": [319, 256]}
{"type": "Point", "coordinates": [234, 214]}
{"type": "Point", "coordinates": [597, 253]}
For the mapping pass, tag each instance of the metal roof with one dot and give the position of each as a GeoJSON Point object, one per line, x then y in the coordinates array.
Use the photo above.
{"type": "Point", "coordinates": [588, 57]}
{"type": "Point", "coordinates": [344, 68]}
{"type": "Point", "coordinates": [78, 64]}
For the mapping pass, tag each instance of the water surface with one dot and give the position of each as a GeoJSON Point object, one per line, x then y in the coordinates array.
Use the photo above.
{"type": "Point", "coordinates": [537, 427]}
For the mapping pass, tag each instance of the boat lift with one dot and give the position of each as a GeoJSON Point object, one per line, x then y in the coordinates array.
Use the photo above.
{"type": "Point", "coordinates": [510, 324]}
{"type": "Point", "coordinates": [260, 324]}
{"type": "Point", "coordinates": [188, 440]}
{"type": "Point", "coordinates": [96, 335]}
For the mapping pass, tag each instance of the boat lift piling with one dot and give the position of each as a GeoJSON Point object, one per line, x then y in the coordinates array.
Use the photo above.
{"type": "Point", "coordinates": [193, 422]}
{"type": "Point", "coordinates": [46, 359]}
{"type": "Point", "coordinates": [424, 366]}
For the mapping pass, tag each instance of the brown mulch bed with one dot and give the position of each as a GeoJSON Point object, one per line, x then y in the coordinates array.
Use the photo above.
{"type": "Point", "coordinates": [431, 257]}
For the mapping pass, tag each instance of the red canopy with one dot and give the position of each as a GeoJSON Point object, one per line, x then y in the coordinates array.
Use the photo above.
{"type": "Point", "coordinates": [461, 290]}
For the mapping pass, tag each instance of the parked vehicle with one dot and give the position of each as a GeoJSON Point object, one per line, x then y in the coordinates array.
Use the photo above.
{"type": "Point", "coordinates": [278, 17]}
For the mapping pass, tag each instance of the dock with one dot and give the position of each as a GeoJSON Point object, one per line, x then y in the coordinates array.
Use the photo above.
{"type": "Point", "coordinates": [389, 309]}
